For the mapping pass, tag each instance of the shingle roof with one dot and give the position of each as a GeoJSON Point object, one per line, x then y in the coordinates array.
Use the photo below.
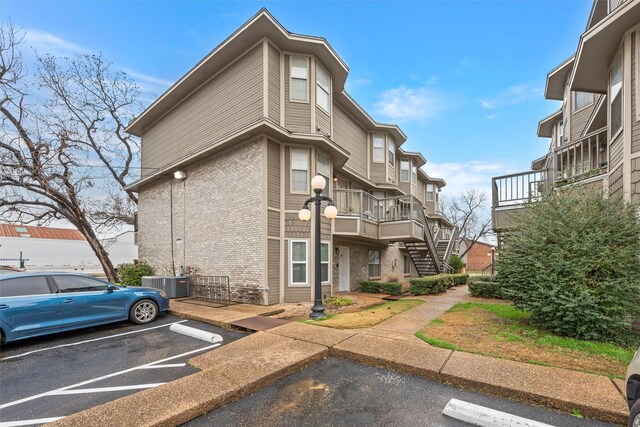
{"type": "Point", "coordinates": [28, 231]}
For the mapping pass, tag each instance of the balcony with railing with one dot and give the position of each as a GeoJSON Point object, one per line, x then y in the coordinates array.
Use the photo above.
{"type": "Point", "coordinates": [579, 163]}
{"type": "Point", "coordinates": [390, 219]}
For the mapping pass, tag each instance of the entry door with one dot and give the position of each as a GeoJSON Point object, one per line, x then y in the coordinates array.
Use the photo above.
{"type": "Point", "coordinates": [344, 260]}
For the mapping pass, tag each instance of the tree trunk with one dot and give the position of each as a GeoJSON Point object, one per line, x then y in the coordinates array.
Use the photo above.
{"type": "Point", "coordinates": [99, 250]}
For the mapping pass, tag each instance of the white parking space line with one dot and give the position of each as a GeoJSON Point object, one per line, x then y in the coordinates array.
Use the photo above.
{"type": "Point", "coordinates": [29, 422]}
{"type": "Point", "coordinates": [92, 340]}
{"type": "Point", "coordinates": [486, 417]}
{"type": "Point", "coordinates": [168, 365]}
{"type": "Point", "coordinates": [104, 377]}
{"type": "Point", "coordinates": [105, 389]}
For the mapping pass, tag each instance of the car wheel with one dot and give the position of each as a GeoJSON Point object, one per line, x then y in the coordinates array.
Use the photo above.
{"type": "Point", "coordinates": [143, 311]}
{"type": "Point", "coordinates": [634, 416]}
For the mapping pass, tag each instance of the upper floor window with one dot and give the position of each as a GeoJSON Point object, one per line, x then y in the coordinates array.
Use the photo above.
{"type": "Point", "coordinates": [560, 133]}
{"type": "Point", "coordinates": [378, 148]}
{"type": "Point", "coordinates": [392, 151]}
{"type": "Point", "coordinates": [299, 78]}
{"type": "Point", "coordinates": [581, 100]}
{"type": "Point", "coordinates": [404, 170]}
{"type": "Point", "coordinates": [323, 86]}
{"type": "Point", "coordinates": [414, 174]}
{"type": "Point", "coordinates": [430, 191]}
{"type": "Point", "coordinates": [615, 93]}
{"type": "Point", "coordinates": [323, 167]}
{"type": "Point", "coordinates": [299, 170]}
{"type": "Point", "coordinates": [614, 4]}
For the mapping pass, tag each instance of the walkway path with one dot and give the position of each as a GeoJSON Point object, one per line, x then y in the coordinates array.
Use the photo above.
{"type": "Point", "coordinates": [411, 321]}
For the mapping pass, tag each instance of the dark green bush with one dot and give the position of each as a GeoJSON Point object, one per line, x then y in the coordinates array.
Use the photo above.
{"type": "Point", "coordinates": [460, 279]}
{"type": "Point", "coordinates": [486, 289]}
{"type": "Point", "coordinates": [131, 274]}
{"type": "Point", "coordinates": [389, 288]}
{"type": "Point", "coordinates": [571, 260]}
{"type": "Point", "coordinates": [482, 279]}
{"type": "Point", "coordinates": [456, 263]}
{"type": "Point", "coordinates": [436, 284]}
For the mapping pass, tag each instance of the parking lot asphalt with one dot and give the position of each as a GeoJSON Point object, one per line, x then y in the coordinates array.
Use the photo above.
{"type": "Point", "coordinates": [61, 374]}
{"type": "Point", "coordinates": [337, 392]}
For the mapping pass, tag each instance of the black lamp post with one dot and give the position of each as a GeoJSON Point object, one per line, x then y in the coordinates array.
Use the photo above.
{"type": "Point", "coordinates": [493, 261]}
{"type": "Point", "coordinates": [318, 183]}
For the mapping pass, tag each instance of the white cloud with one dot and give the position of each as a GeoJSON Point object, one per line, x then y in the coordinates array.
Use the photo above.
{"type": "Point", "coordinates": [48, 43]}
{"type": "Point", "coordinates": [513, 95]}
{"type": "Point", "coordinates": [355, 82]}
{"type": "Point", "coordinates": [475, 174]}
{"type": "Point", "coordinates": [404, 103]}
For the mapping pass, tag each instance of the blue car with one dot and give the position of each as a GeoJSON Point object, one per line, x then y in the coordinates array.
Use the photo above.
{"type": "Point", "coordinates": [33, 304]}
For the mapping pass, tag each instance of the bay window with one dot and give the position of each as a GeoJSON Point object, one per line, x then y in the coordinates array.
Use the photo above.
{"type": "Point", "coordinates": [581, 100]}
{"type": "Point", "coordinates": [299, 170]}
{"type": "Point", "coordinates": [430, 188]}
{"type": "Point", "coordinates": [299, 90]}
{"type": "Point", "coordinates": [404, 170]}
{"type": "Point", "coordinates": [323, 168]}
{"type": "Point", "coordinates": [378, 148]}
{"type": "Point", "coordinates": [323, 88]}
{"type": "Point", "coordinates": [615, 94]}
{"type": "Point", "coordinates": [414, 173]}
{"type": "Point", "coordinates": [392, 151]}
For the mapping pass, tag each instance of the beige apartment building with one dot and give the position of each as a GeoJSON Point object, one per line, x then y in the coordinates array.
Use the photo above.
{"type": "Point", "coordinates": [228, 153]}
{"type": "Point", "coordinates": [595, 134]}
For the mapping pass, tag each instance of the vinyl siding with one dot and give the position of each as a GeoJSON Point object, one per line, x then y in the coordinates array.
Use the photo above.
{"type": "Point", "coordinates": [420, 191]}
{"type": "Point", "coordinates": [349, 135]}
{"type": "Point", "coordinates": [274, 84]}
{"type": "Point", "coordinates": [297, 115]}
{"type": "Point", "coordinates": [323, 121]}
{"type": "Point", "coordinates": [229, 101]}
{"type": "Point", "coordinates": [616, 150]}
{"type": "Point", "coordinates": [273, 223]}
{"type": "Point", "coordinates": [635, 127]}
{"type": "Point", "coordinates": [615, 182]}
{"type": "Point", "coordinates": [273, 175]}
{"type": "Point", "coordinates": [273, 270]}
{"type": "Point", "coordinates": [580, 118]}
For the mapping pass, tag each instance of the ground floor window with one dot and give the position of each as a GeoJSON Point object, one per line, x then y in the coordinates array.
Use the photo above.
{"type": "Point", "coordinates": [374, 263]}
{"type": "Point", "coordinates": [324, 262]}
{"type": "Point", "coordinates": [407, 265]}
{"type": "Point", "coordinates": [298, 256]}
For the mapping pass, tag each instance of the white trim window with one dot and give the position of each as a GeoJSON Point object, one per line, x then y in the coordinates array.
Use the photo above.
{"type": "Point", "coordinates": [323, 168]}
{"type": "Point", "coordinates": [615, 94]}
{"type": "Point", "coordinates": [374, 263]}
{"type": "Point", "coordinates": [299, 262]}
{"type": "Point", "coordinates": [299, 170]}
{"type": "Point", "coordinates": [323, 88]}
{"type": "Point", "coordinates": [404, 170]}
{"type": "Point", "coordinates": [392, 151]}
{"type": "Point", "coordinates": [582, 100]}
{"type": "Point", "coordinates": [430, 192]}
{"type": "Point", "coordinates": [560, 134]}
{"type": "Point", "coordinates": [299, 86]}
{"type": "Point", "coordinates": [414, 173]}
{"type": "Point", "coordinates": [325, 265]}
{"type": "Point", "coordinates": [378, 148]}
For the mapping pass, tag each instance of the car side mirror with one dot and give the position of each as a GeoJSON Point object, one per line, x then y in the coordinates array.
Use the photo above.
{"type": "Point", "coordinates": [111, 288]}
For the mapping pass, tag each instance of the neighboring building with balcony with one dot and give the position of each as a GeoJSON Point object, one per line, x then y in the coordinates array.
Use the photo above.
{"type": "Point", "coordinates": [595, 134]}
{"type": "Point", "coordinates": [228, 153]}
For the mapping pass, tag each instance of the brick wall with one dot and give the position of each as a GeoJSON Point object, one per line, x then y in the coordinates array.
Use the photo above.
{"type": "Point", "coordinates": [477, 259]}
{"type": "Point", "coordinates": [217, 220]}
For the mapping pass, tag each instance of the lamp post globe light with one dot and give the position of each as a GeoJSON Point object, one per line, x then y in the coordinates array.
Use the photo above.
{"type": "Point", "coordinates": [330, 212]}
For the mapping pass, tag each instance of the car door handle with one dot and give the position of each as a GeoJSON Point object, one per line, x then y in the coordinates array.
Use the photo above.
{"type": "Point", "coordinates": [68, 300]}
{"type": "Point", "coordinates": [3, 306]}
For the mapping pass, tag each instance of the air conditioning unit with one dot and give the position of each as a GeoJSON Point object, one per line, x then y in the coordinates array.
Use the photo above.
{"type": "Point", "coordinates": [156, 282]}
{"type": "Point", "coordinates": [175, 287]}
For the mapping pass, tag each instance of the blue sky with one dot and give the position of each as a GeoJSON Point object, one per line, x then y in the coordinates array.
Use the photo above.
{"type": "Point", "coordinates": [463, 79]}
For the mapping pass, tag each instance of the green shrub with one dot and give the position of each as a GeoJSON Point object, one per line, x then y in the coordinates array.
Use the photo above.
{"type": "Point", "coordinates": [131, 274]}
{"type": "Point", "coordinates": [460, 279]}
{"type": "Point", "coordinates": [571, 259]}
{"type": "Point", "coordinates": [381, 288]}
{"type": "Point", "coordinates": [486, 289]}
{"type": "Point", "coordinates": [456, 263]}
{"type": "Point", "coordinates": [436, 284]}
{"type": "Point", "coordinates": [338, 301]}
{"type": "Point", "coordinates": [482, 278]}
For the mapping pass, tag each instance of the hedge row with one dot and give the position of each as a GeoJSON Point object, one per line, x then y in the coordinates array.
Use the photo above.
{"type": "Point", "coordinates": [390, 288]}
{"type": "Point", "coordinates": [486, 287]}
{"type": "Point", "coordinates": [436, 284]}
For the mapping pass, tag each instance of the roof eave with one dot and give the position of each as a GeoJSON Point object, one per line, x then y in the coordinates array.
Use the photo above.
{"type": "Point", "coordinates": [557, 80]}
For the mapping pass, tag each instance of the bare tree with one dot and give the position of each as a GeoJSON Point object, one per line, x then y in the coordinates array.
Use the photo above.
{"type": "Point", "coordinates": [469, 212]}
{"type": "Point", "coordinates": [63, 150]}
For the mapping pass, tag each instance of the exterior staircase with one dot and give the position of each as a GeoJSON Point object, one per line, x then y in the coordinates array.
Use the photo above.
{"type": "Point", "coordinates": [431, 256]}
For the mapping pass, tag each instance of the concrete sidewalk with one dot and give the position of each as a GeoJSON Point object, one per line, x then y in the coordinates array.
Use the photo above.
{"type": "Point", "coordinates": [411, 321]}
{"type": "Point", "coordinates": [242, 367]}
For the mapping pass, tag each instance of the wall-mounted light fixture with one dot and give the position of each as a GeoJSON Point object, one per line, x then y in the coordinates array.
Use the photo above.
{"type": "Point", "coordinates": [180, 175]}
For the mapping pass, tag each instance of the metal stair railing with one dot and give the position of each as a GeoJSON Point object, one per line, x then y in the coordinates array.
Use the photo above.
{"type": "Point", "coordinates": [452, 239]}
{"type": "Point", "coordinates": [428, 239]}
